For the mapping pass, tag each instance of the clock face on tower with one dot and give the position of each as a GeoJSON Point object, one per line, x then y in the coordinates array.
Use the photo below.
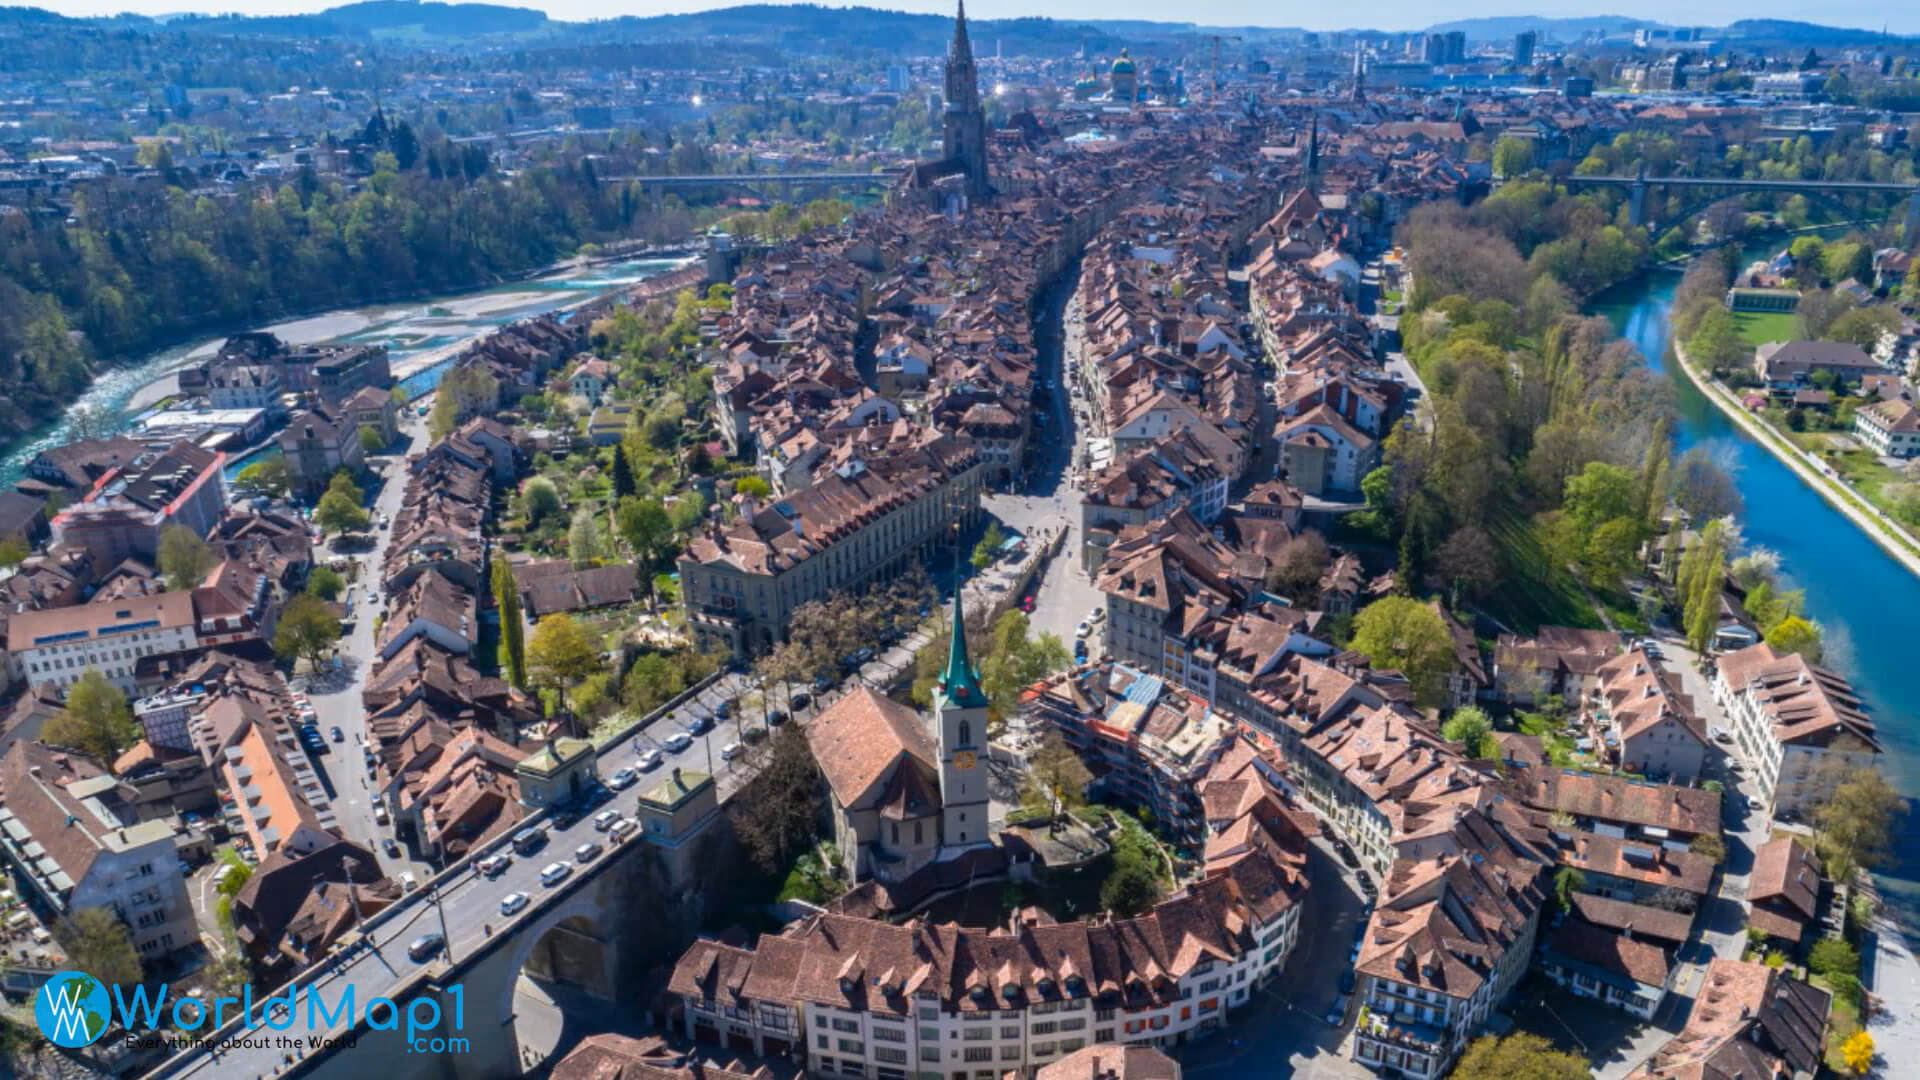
{"type": "Point", "coordinates": [963, 759]}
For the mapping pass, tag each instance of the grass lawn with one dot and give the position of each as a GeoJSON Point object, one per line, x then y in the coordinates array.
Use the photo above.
{"type": "Point", "coordinates": [1759, 327]}
{"type": "Point", "coordinates": [1537, 593]}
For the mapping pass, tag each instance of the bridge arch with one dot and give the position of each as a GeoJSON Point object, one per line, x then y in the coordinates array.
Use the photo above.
{"type": "Point", "coordinates": [561, 957]}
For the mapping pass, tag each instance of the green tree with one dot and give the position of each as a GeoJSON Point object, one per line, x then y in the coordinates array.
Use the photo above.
{"type": "Point", "coordinates": [96, 942]}
{"type": "Point", "coordinates": [586, 544]}
{"type": "Point", "coordinates": [1716, 341]}
{"type": "Point", "coordinates": [1519, 1056]}
{"type": "Point", "coordinates": [783, 817]}
{"type": "Point", "coordinates": [1567, 882]}
{"type": "Point", "coordinates": [1406, 635]}
{"type": "Point", "coordinates": [1470, 728]}
{"type": "Point", "coordinates": [753, 487]}
{"type": "Point", "coordinates": [184, 558]}
{"type": "Point", "coordinates": [1795, 634]}
{"type": "Point", "coordinates": [644, 525]}
{"type": "Point", "coordinates": [1511, 157]}
{"type": "Point", "coordinates": [266, 478]}
{"type": "Point", "coordinates": [623, 485]}
{"type": "Point", "coordinates": [1056, 778]}
{"type": "Point", "coordinates": [1833, 956]}
{"type": "Point", "coordinates": [13, 551]}
{"type": "Point", "coordinates": [336, 513]}
{"type": "Point", "coordinates": [1709, 845]}
{"type": "Point", "coordinates": [307, 630]}
{"type": "Point", "coordinates": [989, 546]}
{"type": "Point", "coordinates": [560, 654]}
{"type": "Point", "coordinates": [371, 441]}
{"type": "Point", "coordinates": [324, 583]}
{"type": "Point", "coordinates": [1855, 823]}
{"type": "Point", "coordinates": [513, 630]}
{"type": "Point", "coordinates": [1014, 660]}
{"type": "Point", "coordinates": [96, 720]}
{"type": "Point", "coordinates": [541, 500]}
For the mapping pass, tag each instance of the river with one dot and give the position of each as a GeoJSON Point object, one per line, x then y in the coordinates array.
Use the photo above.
{"type": "Point", "coordinates": [410, 331]}
{"type": "Point", "coordinates": [1865, 601]}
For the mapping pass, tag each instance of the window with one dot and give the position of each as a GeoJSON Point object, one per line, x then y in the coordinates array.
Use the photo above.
{"type": "Point", "coordinates": [846, 1025]}
{"type": "Point", "coordinates": [1042, 1049]}
{"type": "Point", "coordinates": [889, 1054]}
{"type": "Point", "coordinates": [1009, 1053]}
{"type": "Point", "coordinates": [1009, 1031]}
{"type": "Point", "coordinates": [823, 1042]}
{"type": "Point", "coordinates": [929, 1053]}
{"type": "Point", "coordinates": [1046, 1027]}
{"type": "Point", "coordinates": [977, 1053]}
{"type": "Point", "coordinates": [928, 1034]}
{"type": "Point", "coordinates": [852, 1046]}
{"type": "Point", "coordinates": [1102, 1034]}
{"type": "Point", "coordinates": [887, 1034]}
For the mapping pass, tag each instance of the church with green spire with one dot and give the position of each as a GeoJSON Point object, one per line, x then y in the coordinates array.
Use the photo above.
{"type": "Point", "coordinates": [960, 721]}
{"type": "Point", "coordinates": [907, 793]}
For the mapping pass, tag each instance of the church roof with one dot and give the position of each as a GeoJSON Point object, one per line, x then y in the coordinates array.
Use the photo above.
{"type": "Point", "coordinates": [857, 738]}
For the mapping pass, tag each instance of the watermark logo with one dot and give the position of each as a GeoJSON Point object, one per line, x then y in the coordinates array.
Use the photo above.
{"type": "Point", "coordinates": [72, 1009]}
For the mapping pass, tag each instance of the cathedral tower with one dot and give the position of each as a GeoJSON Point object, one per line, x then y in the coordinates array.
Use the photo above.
{"type": "Point", "coordinates": [960, 712]}
{"type": "Point", "coordinates": [964, 127]}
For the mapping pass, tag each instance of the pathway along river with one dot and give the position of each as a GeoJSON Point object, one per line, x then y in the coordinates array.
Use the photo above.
{"type": "Point", "coordinates": [408, 330]}
{"type": "Point", "coordinates": [1868, 603]}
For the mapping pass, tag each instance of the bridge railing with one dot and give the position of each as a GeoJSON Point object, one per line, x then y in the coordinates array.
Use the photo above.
{"type": "Point", "coordinates": [329, 966]}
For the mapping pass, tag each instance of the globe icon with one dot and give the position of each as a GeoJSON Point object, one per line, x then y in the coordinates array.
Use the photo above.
{"type": "Point", "coordinates": [72, 1009]}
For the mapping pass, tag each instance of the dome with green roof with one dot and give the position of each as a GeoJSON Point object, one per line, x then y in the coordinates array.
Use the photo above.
{"type": "Point", "coordinates": [1123, 65]}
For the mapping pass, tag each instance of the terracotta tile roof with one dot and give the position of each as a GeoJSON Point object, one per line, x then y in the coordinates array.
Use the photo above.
{"type": "Point", "coordinates": [858, 738]}
{"type": "Point", "coordinates": [1636, 960]}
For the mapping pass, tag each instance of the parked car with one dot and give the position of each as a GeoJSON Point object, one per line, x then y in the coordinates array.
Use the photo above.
{"type": "Point", "coordinates": [1337, 1014]}
{"type": "Point", "coordinates": [1346, 982]}
{"type": "Point", "coordinates": [554, 873]}
{"type": "Point", "coordinates": [380, 813]}
{"type": "Point", "coordinates": [700, 725]}
{"type": "Point", "coordinates": [623, 828]}
{"type": "Point", "coordinates": [821, 684]}
{"type": "Point", "coordinates": [391, 847]}
{"type": "Point", "coordinates": [338, 735]}
{"type": "Point", "coordinates": [528, 840]}
{"type": "Point", "coordinates": [587, 852]}
{"type": "Point", "coordinates": [731, 750]}
{"type": "Point", "coordinates": [1083, 629]}
{"type": "Point", "coordinates": [425, 947]}
{"type": "Point", "coordinates": [604, 820]}
{"type": "Point", "coordinates": [622, 778]}
{"type": "Point", "coordinates": [800, 700]}
{"type": "Point", "coordinates": [677, 741]}
{"type": "Point", "coordinates": [776, 718]}
{"type": "Point", "coordinates": [407, 881]}
{"type": "Point", "coordinates": [649, 759]}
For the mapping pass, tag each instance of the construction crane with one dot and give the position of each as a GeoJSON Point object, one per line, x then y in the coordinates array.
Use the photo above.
{"type": "Point", "coordinates": [1217, 39]}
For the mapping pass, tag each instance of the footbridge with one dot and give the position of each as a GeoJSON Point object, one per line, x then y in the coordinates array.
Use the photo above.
{"type": "Point", "coordinates": [1701, 192]}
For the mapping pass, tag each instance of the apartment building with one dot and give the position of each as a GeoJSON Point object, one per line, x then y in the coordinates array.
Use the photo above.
{"type": "Point", "coordinates": [1889, 428]}
{"type": "Point", "coordinates": [74, 841]}
{"type": "Point", "coordinates": [1449, 938]}
{"type": "Point", "coordinates": [316, 444]}
{"type": "Point", "coordinates": [58, 645]}
{"type": "Point", "coordinates": [1149, 485]}
{"type": "Point", "coordinates": [860, 524]}
{"type": "Point", "coordinates": [124, 513]}
{"type": "Point", "coordinates": [279, 802]}
{"type": "Point", "coordinates": [1642, 722]}
{"type": "Point", "coordinates": [864, 997]}
{"type": "Point", "coordinates": [1792, 718]}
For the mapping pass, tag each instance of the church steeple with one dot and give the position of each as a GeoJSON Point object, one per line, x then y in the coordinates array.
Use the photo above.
{"type": "Point", "coordinates": [961, 50]}
{"type": "Point", "coordinates": [959, 683]}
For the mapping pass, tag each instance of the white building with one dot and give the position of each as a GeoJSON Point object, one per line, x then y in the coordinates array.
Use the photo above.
{"type": "Point", "coordinates": [1889, 428]}
{"type": "Point", "coordinates": [58, 645]}
{"type": "Point", "coordinates": [1792, 718]}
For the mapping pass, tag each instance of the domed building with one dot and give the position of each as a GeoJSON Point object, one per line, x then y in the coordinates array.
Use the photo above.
{"type": "Point", "coordinates": [1087, 88]}
{"type": "Point", "coordinates": [1126, 83]}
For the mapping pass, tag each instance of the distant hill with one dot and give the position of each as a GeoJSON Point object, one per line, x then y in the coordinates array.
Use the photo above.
{"type": "Point", "coordinates": [1805, 33]}
{"type": "Point", "coordinates": [1498, 27]}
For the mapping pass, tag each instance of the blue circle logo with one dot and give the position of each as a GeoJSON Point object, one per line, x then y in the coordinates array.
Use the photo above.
{"type": "Point", "coordinates": [72, 1009]}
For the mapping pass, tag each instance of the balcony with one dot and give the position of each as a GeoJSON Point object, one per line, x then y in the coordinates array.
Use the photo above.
{"type": "Point", "coordinates": [1412, 1035]}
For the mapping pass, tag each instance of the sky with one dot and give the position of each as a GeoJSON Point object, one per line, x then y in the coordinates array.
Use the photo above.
{"type": "Point", "coordinates": [1379, 15]}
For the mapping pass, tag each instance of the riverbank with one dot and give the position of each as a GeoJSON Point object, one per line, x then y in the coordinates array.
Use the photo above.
{"type": "Point", "coordinates": [1868, 518]}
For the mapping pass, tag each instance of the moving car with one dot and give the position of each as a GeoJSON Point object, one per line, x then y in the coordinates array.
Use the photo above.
{"type": "Point", "coordinates": [677, 741]}
{"type": "Point", "coordinates": [604, 820]}
{"type": "Point", "coordinates": [493, 864]}
{"type": "Point", "coordinates": [1338, 1012]}
{"type": "Point", "coordinates": [338, 735]}
{"type": "Point", "coordinates": [379, 813]}
{"type": "Point", "coordinates": [391, 847]}
{"type": "Point", "coordinates": [649, 759]}
{"type": "Point", "coordinates": [623, 828]}
{"type": "Point", "coordinates": [407, 881]}
{"type": "Point", "coordinates": [511, 903]}
{"type": "Point", "coordinates": [555, 873]}
{"type": "Point", "coordinates": [1083, 629]}
{"type": "Point", "coordinates": [621, 779]}
{"type": "Point", "coordinates": [426, 946]}
{"type": "Point", "coordinates": [528, 840]}
{"type": "Point", "coordinates": [587, 852]}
